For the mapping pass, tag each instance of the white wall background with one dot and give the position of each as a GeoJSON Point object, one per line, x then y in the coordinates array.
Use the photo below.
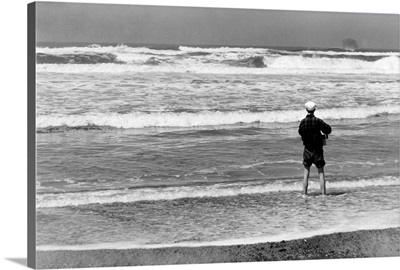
{"type": "Point", "coordinates": [13, 150]}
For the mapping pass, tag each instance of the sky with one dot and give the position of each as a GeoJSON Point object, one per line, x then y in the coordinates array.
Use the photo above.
{"type": "Point", "coordinates": [107, 23]}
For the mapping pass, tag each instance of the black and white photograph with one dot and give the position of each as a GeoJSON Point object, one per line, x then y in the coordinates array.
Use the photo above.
{"type": "Point", "coordinates": [192, 135]}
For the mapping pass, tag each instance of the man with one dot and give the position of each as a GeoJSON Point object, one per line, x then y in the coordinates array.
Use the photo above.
{"type": "Point", "coordinates": [310, 131]}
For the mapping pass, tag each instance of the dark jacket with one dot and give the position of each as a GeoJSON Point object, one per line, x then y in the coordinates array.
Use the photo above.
{"type": "Point", "coordinates": [310, 131]}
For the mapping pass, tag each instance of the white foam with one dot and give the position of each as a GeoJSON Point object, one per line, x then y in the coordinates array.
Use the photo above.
{"type": "Point", "coordinates": [248, 166]}
{"type": "Point", "coordinates": [380, 220]}
{"type": "Point", "coordinates": [223, 49]}
{"type": "Point", "coordinates": [173, 193]}
{"type": "Point", "coordinates": [206, 118]}
{"type": "Point", "coordinates": [120, 49]}
{"type": "Point", "coordinates": [213, 63]}
{"type": "Point", "coordinates": [388, 64]}
{"type": "Point", "coordinates": [351, 53]}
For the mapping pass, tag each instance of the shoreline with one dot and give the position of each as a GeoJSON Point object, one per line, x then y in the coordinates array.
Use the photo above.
{"type": "Point", "coordinates": [356, 244]}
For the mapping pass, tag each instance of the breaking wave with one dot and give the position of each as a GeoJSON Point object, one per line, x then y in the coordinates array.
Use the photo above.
{"type": "Point", "coordinates": [173, 193]}
{"type": "Point", "coordinates": [202, 118]}
{"type": "Point", "coordinates": [116, 59]}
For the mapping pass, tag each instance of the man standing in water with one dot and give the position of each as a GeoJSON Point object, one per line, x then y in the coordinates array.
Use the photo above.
{"type": "Point", "coordinates": [310, 131]}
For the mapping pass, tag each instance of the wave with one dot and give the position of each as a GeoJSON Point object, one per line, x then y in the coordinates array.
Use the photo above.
{"type": "Point", "coordinates": [202, 118]}
{"type": "Point", "coordinates": [199, 51]}
{"type": "Point", "coordinates": [252, 62]}
{"type": "Point", "coordinates": [87, 58]}
{"type": "Point", "coordinates": [216, 190]}
{"type": "Point", "coordinates": [385, 64]}
{"type": "Point", "coordinates": [368, 58]}
{"type": "Point", "coordinates": [271, 65]}
{"type": "Point", "coordinates": [223, 60]}
{"type": "Point", "coordinates": [119, 50]}
{"type": "Point", "coordinates": [383, 220]}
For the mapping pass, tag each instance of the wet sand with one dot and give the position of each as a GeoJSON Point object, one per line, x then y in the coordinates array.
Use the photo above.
{"type": "Point", "coordinates": [358, 244]}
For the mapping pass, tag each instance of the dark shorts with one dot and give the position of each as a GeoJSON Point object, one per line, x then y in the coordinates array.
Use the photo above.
{"type": "Point", "coordinates": [313, 157]}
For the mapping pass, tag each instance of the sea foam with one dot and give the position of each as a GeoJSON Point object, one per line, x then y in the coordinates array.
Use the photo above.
{"type": "Point", "coordinates": [225, 60]}
{"type": "Point", "coordinates": [205, 118]}
{"type": "Point", "coordinates": [216, 190]}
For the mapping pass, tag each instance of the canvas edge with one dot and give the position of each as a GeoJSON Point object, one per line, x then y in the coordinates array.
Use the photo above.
{"type": "Point", "coordinates": [31, 127]}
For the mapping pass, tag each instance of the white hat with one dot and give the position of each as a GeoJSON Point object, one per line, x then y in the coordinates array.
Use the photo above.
{"type": "Point", "coordinates": [310, 106]}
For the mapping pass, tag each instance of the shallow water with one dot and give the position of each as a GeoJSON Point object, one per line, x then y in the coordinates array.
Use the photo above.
{"type": "Point", "coordinates": [233, 219]}
{"type": "Point", "coordinates": [153, 158]}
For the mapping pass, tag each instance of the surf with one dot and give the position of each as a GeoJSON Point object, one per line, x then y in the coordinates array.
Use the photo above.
{"type": "Point", "coordinates": [137, 120]}
{"type": "Point", "coordinates": [219, 60]}
{"type": "Point", "coordinates": [46, 200]}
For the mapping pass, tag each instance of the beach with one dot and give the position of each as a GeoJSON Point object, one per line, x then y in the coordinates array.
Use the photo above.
{"type": "Point", "coordinates": [357, 244]}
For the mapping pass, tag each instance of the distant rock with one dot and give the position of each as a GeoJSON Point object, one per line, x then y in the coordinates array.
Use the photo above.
{"type": "Point", "coordinates": [350, 44]}
{"type": "Point", "coordinates": [84, 58]}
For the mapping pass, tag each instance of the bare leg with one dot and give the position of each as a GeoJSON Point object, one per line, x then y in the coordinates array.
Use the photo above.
{"type": "Point", "coordinates": [322, 180]}
{"type": "Point", "coordinates": [305, 182]}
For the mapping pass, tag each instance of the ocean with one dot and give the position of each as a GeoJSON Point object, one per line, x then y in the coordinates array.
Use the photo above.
{"type": "Point", "coordinates": [194, 145]}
